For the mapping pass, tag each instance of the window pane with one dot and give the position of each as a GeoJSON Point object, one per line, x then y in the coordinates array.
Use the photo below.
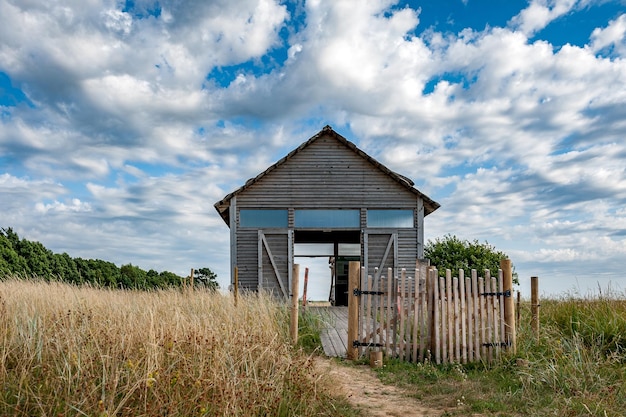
{"type": "Point", "coordinates": [263, 218]}
{"type": "Point", "coordinates": [349, 249]}
{"type": "Point", "coordinates": [328, 218]}
{"type": "Point", "coordinates": [389, 218]}
{"type": "Point", "coordinates": [314, 249]}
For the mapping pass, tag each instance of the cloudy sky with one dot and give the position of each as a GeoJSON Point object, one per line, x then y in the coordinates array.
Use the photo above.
{"type": "Point", "coordinates": [123, 122]}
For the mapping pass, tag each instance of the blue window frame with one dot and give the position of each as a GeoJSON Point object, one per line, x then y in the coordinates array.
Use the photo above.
{"type": "Point", "coordinates": [263, 218]}
{"type": "Point", "coordinates": [328, 219]}
{"type": "Point", "coordinates": [390, 218]}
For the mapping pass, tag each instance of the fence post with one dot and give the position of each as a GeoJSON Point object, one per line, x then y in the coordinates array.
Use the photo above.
{"type": "Point", "coordinates": [295, 282]}
{"type": "Point", "coordinates": [306, 284]}
{"type": "Point", "coordinates": [509, 305]}
{"type": "Point", "coordinates": [354, 272]}
{"type": "Point", "coordinates": [236, 285]}
{"type": "Point", "coordinates": [534, 305]}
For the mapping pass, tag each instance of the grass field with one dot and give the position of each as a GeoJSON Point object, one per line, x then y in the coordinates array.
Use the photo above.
{"type": "Point", "coordinates": [70, 351]}
{"type": "Point", "coordinates": [577, 367]}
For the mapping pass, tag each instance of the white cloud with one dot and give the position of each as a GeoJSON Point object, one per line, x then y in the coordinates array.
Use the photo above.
{"type": "Point", "coordinates": [612, 36]}
{"type": "Point", "coordinates": [520, 142]}
{"type": "Point", "coordinates": [540, 13]}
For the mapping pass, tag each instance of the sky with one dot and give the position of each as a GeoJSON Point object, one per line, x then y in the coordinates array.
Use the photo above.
{"type": "Point", "coordinates": [123, 122]}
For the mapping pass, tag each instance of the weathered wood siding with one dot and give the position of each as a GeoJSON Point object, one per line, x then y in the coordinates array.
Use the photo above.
{"type": "Point", "coordinates": [326, 174]}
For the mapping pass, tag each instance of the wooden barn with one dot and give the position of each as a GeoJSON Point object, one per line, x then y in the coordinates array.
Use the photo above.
{"type": "Point", "coordinates": [326, 198]}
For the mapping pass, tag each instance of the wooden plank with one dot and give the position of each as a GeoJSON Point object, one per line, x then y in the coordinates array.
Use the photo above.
{"type": "Point", "coordinates": [401, 312]}
{"type": "Point", "coordinates": [444, 320]}
{"type": "Point", "coordinates": [354, 272]}
{"type": "Point", "coordinates": [389, 315]}
{"type": "Point", "coordinates": [457, 324]}
{"type": "Point", "coordinates": [476, 306]}
{"type": "Point", "coordinates": [462, 295]}
{"type": "Point", "coordinates": [509, 304]}
{"type": "Point", "coordinates": [534, 305]}
{"type": "Point", "coordinates": [470, 319]}
{"type": "Point", "coordinates": [450, 309]}
{"type": "Point", "coordinates": [436, 313]}
{"type": "Point", "coordinates": [423, 317]}
{"type": "Point", "coordinates": [381, 312]}
{"type": "Point", "coordinates": [489, 307]}
{"type": "Point", "coordinates": [416, 315]}
{"type": "Point", "coordinates": [496, 319]}
{"type": "Point", "coordinates": [368, 310]}
{"type": "Point", "coordinates": [483, 319]}
{"type": "Point", "coordinates": [408, 306]}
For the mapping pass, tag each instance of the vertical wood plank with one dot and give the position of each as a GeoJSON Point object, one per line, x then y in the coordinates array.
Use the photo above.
{"type": "Point", "coordinates": [489, 311]}
{"type": "Point", "coordinates": [436, 335]}
{"type": "Point", "coordinates": [502, 330]}
{"type": "Point", "coordinates": [368, 310]}
{"type": "Point", "coordinates": [476, 306]}
{"type": "Point", "coordinates": [293, 327]}
{"type": "Point", "coordinates": [457, 324]}
{"type": "Point", "coordinates": [509, 305]}
{"type": "Point", "coordinates": [402, 312]}
{"type": "Point", "coordinates": [354, 272]}
{"type": "Point", "coordinates": [470, 319]}
{"type": "Point", "coordinates": [483, 319]}
{"type": "Point", "coordinates": [423, 318]}
{"type": "Point", "coordinates": [409, 317]}
{"type": "Point", "coordinates": [463, 316]}
{"type": "Point", "coordinates": [534, 305]}
{"type": "Point", "coordinates": [444, 320]}
{"type": "Point", "coordinates": [381, 312]}
{"type": "Point", "coordinates": [450, 307]}
{"type": "Point", "coordinates": [416, 315]}
{"type": "Point", "coordinates": [496, 318]}
{"type": "Point", "coordinates": [389, 311]}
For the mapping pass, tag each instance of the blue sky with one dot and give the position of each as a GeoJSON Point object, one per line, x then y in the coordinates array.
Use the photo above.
{"type": "Point", "coordinates": [122, 123]}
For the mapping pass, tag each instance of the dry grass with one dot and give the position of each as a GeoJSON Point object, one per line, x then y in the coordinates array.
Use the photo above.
{"type": "Point", "coordinates": [66, 350]}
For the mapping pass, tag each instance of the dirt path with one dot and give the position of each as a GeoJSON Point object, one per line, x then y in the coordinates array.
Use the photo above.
{"type": "Point", "coordinates": [365, 391]}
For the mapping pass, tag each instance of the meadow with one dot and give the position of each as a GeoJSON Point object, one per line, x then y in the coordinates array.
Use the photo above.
{"type": "Point", "coordinates": [79, 351]}
{"type": "Point", "coordinates": [575, 366]}
{"type": "Point", "coordinates": [67, 350]}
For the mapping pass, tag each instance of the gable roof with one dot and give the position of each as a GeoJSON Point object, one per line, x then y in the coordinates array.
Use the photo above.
{"type": "Point", "coordinates": [429, 205]}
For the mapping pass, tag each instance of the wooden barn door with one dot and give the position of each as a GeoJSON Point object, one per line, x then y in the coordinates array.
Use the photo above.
{"type": "Point", "coordinates": [380, 250]}
{"type": "Point", "coordinates": [275, 260]}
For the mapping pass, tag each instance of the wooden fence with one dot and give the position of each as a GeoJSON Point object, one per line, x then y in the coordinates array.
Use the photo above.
{"type": "Point", "coordinates": [422, 316]}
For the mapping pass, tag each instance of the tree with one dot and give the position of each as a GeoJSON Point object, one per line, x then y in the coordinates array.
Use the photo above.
{"type": "Point", "coordinates": [452, 253]}
{"type": "Point", "coordinates": [208, 278]}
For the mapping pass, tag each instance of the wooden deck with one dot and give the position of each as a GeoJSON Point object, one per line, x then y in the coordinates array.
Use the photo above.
{"type": "Point", "coordinates": [335, 334]}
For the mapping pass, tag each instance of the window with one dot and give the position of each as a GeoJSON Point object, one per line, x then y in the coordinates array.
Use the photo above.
{"type": "Point", "coordinates": [330, 219]}
{"type": "Point", "coordinates": [349, 249]}
{"type": "Point", "coordinates": [390, 218]}
{"type": "Point", "coordinates": [263, 218]}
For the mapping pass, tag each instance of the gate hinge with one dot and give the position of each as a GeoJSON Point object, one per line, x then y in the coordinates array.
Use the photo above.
{"type": "Point", "coordinates": [356, 343]}
{"type": "Point", "coordinates": [357, 292]}
{"type": "Point", "coordinates": [502, 344]}
{"type": "Point", "coordinates": [506, 293]}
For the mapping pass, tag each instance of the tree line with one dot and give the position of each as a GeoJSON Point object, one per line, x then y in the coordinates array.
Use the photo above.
{"type": "Point", "coordinates": [22, 257]}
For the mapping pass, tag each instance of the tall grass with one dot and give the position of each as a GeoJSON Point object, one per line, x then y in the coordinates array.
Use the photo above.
{"type": "Point", "coordinates": [66, 350]}
{"type": "Point", "coordinates": [576, 367]}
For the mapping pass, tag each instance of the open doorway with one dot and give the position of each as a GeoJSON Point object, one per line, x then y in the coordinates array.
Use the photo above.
{"type": "Point", "coordinates": [328, 254]}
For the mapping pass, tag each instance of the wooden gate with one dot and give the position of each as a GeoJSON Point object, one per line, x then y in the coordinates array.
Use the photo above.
{"type": "Point", "coordinates": [422, 316]}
